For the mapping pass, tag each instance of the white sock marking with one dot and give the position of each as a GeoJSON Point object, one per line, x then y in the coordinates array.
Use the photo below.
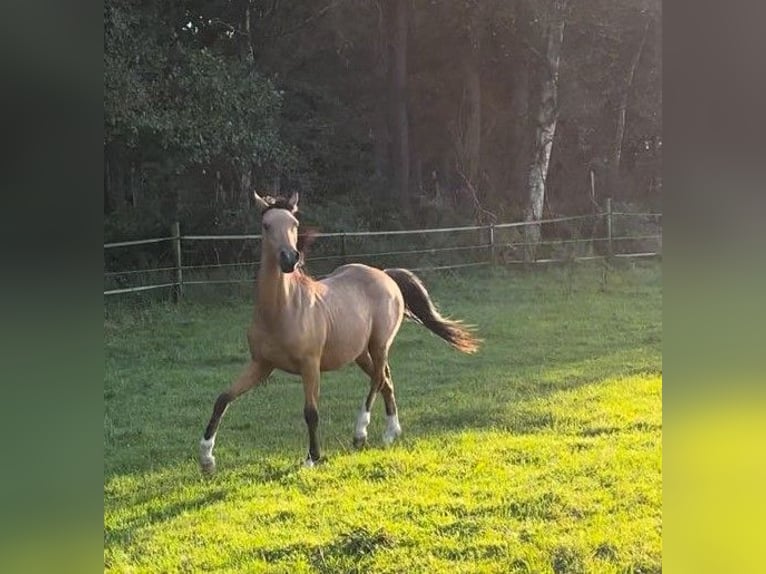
{"type": "Point", "coordinates": [206, 450]}
{"type": "Point", "coordinates": [393, 429]}
{"type": "Point", "coordinates": [362, 422]}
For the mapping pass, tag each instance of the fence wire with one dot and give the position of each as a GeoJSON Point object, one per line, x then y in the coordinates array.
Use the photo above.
{"type": "Point", "coordinates": [153, 264]}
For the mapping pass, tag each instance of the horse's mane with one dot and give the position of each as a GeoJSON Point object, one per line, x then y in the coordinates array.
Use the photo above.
{"type": "Point", "coordinates": [276, 203]}
{"type": "Point", "coordinates": [305, 240]}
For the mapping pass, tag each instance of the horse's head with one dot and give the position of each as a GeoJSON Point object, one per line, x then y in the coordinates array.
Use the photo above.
{"type": "Point", "coordinates": [280, 229]}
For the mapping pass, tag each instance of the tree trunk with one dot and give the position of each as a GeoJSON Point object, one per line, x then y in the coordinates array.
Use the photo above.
{"type": "Point", "coordinates": [398, 116]}
{"type": "Point", "coordinates": [419, 176]}
{"type": "Point", "coordinates": [134, 187]}
{"type": "Point", "coordinates": [245, 187]}
{"type": "Point", "coordinates": [170, 198]}
{"type": "Point", "coordinates": [246, 50]}
{"type": "Point", "coordinates": [114, 180]}
{"type": "Point", "coordinates": [380, 133]}
{"type": "Point", "coordinates": [521, 135]}
{"type": "Point", "coordinates": [468, 133]}
{"type": "Point", "coordinates": [107, 187]}
{"type": "Point", "coordinates": [545, 128]}
{"type": "Point", "coordinates": [470, 120]}
{"type": "Point", "coordinates": [622, 110]}
{"type": "Point", "coordinates": [247, 53]}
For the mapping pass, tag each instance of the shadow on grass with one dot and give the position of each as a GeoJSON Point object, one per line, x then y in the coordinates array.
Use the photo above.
{"type": "Point", "coordinates": [267, 471]}
{"type": "Point", "coordinates": [351, 551]}
{"type": "Point", "coordinates": [125, 532]}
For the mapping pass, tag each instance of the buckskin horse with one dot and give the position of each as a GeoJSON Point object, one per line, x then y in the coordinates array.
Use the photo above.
{"type": "Point", "coordinates": [305, 327]}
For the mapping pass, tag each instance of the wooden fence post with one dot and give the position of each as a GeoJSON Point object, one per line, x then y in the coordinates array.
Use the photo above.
{"type": "Point", "coordinates": [178, 289]}
{"type": "Point", "coordinates": [492, 245]}
{"type": "Point", "coordinates": [609, 246]}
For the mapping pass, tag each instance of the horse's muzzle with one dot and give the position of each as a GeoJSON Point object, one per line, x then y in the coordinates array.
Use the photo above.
{"type": "Point", "coordinates": [288, 259]}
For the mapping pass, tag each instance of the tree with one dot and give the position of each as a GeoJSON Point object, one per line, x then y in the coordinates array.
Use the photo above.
{"type": "Point", "coordinates": [622, 110]}
{"type": "Point", "coordinates": [545, 116]}
{"type": "Point", "coordinates": [176, 106]}
{"type": "Point", "coordinates": [398, 21]}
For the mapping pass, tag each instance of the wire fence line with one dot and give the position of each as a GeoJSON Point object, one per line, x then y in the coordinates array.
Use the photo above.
{"type": "Point", "coordinates": [193, 260]}
{"type": "Point", "coordinates": [137, 242]}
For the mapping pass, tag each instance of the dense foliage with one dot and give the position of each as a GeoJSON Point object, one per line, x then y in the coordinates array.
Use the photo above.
{"type": "Point", "coordinates": [381, 113]}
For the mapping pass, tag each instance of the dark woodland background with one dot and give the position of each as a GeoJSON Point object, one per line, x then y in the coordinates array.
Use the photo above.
{"type": "Point", "coordinates": [382, 114]}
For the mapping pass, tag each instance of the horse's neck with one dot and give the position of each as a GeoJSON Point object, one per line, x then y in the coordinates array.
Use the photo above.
{"type": "Point", "coordinates": [276, 292]}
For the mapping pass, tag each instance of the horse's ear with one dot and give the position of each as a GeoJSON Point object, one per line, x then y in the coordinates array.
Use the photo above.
{"type": "Point", "coordinates": [259, 201]}
{"type": "Point", "coordinates": [292, 203]}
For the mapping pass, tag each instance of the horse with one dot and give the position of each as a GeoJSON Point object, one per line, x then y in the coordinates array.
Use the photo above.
{"type": "Point", "coordinates": [305, 327]}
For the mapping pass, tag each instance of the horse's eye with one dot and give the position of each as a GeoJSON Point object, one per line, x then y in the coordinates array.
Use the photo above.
{"type": "Point", "coordinates": [266, 226]}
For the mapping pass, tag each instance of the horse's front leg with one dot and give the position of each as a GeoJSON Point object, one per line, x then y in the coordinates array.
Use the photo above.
{"type": "Point", "coordinates": [310, 373]}
{"type": "Point", "coordinates": [255, 373]}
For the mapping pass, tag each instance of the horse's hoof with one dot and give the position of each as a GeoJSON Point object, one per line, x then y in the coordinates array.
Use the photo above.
{"type": "Point", "coordinates": [308, 463]}
{"type": "Point", "coordinates": [393, 430]}
{"type": "Point", "coordinates": [391, 434]}
{"type": "Point", "coordinates": [360, 441]}
{"type": "Point", "coordinates": [206, 458]}
{"type": "Point", "coordinates": [389, 438]}
{"type": "Point", "coordinates": [207, 465]}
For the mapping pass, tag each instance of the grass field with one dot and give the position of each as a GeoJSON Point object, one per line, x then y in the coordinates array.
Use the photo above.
{"type": "Point", "coordinates": [540, 454]}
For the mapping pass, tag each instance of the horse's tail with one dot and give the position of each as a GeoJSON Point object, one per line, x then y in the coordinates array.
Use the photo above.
{"type": "Point", "coordinates": [420, 308]}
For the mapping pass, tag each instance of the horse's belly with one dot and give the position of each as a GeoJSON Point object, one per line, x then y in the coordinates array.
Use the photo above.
{"type": "Point", "coordinates": [281, 359]}
{"type": "Point", "coordinates": [335, 362]}
{"type": "Point", "coordinates": [341, 349]}
{"type": "Point", "coordinates": [335, 359]}
{"type": "Point", "coordinates": [337, 351]}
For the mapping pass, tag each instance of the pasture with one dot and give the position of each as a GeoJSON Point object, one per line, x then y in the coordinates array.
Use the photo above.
{"type": "Point", "coordinates": [542, 453]}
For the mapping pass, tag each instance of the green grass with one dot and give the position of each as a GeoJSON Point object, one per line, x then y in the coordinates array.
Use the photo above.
{"type": "Point", "coordinates": [540, 454]}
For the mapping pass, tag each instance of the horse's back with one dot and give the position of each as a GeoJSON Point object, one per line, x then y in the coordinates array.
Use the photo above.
{"type": "Point", "coordinates": [358, 276]}
{"type": "Point", "coordinates": [359, 293]}
{"type": "Point", "coordinates": [353, 270]}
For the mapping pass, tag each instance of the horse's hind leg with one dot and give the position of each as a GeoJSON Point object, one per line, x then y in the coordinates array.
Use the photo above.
{"type": "Point", "coordinates": [393, 428]}
{"type": "Point", "coordinates": [382, 375]}
{"type": "Point", "coordinates": [363, 420]}
{"type": "Point", "coordinates": [254, 374]}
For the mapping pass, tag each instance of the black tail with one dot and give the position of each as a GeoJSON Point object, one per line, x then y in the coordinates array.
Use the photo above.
{"type": "Point", "coordinates": [421, 309]}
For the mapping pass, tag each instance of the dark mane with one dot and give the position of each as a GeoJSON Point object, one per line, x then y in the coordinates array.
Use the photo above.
{"type": "Point", "coordinates": [305, 240]}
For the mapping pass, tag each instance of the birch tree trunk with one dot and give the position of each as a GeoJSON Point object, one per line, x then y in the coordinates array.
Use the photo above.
{"type": "Point", "coordinates": [622, 110]}
{"type": "Point", "coordinates": [545, 121]}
